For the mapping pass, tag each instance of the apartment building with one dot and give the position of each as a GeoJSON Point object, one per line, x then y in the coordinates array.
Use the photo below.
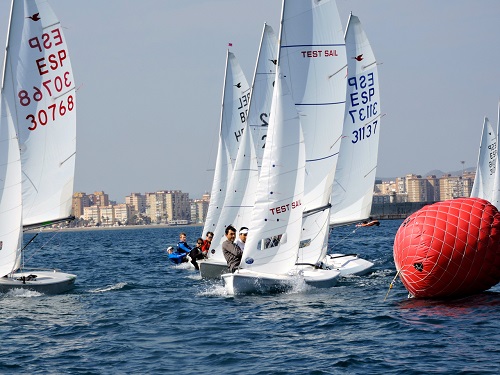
{"type": "Point", "coordinates": [137, 202]}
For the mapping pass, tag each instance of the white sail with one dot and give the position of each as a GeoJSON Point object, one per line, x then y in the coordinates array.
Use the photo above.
{"type": "Point", "coordinates": [234, 112]}
{"type": "Point", "coordinates": [495, 200]}
{"type": "Point", "coordinates": [40, 88]}
{"type": "Point", "coordinates": [313, 59]}
{"type": "Point", "coordinates": [242, 186]}
{"type": "Point", "coordinates": [10, 193]}
{"type": "Point", "coordinates": [277, 216]}
{"type": "Point", "coordinates": [352, 194]}
{"type": "Point", "coordinates": [484, 180]}
{"type": "Point", "coordinates": [262, 90]}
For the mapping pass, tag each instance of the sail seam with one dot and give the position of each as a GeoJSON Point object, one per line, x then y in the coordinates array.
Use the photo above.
{"type": "Point", "coordinates": [331, 103]}
{"type": "Point", "coordinates": [326, 157]}
{"type": "Point", "coordinates": [313, 45]}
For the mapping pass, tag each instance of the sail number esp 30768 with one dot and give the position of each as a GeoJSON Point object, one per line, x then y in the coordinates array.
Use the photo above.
{"type": "Point", "coordinates": [52, 85]}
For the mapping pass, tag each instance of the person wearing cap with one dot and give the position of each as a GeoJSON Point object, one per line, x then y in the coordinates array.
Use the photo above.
{"type": "Point", "coordinates": [170, 250]}
{"type": "Point", "coordinates": [242, 238]}
{"type": "Point", "coordinates": [232, 252]}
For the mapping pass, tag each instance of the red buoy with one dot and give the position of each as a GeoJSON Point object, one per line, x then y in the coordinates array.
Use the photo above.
{"type": "Point", "coordinates": [449, 249]}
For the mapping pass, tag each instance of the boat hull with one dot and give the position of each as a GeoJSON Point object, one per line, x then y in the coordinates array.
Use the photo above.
{"type": "Point", "coordinates": [250, 282]}
{"type": "Point", "coordinates": [212, 269]}
{"type": "Point", "coordinates": [320, 278]}
{"type": "Point", "coordinates": [348, 264]}
{"type": "Point", "coordinates": [46, 282]}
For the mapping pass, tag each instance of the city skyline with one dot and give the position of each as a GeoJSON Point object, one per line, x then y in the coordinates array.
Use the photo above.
{"type": "Point", "coordinates": [192, 197]}
{"type": "Point", "coordinates": [150, 73]}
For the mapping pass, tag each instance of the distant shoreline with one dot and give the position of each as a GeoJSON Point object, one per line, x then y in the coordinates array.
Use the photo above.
{"type": "Point", "coordinates": [121, 227]}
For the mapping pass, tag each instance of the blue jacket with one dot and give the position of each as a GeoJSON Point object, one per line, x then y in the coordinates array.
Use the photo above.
{"type": "Point", "coordinates": [183, 247]}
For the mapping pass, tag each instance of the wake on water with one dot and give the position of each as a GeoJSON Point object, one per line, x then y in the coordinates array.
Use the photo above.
{"type": "Point", "coordinates": [109, 288]}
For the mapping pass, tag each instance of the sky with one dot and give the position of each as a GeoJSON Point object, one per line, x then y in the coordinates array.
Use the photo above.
{"type": "Point", "coordinates": [150, 76]}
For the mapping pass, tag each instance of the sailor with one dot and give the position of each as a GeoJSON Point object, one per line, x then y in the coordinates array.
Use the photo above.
{"type": "Point", "coordinates": [232, 252]}
{"type": "Point", "coordinates": [207, 243]}
{"type": "Point", "coordinates": [196, 253]}
{"type": "Point", "coordinates": [182, 246]}
{"type": "Point", "coordinates": [242, 237]}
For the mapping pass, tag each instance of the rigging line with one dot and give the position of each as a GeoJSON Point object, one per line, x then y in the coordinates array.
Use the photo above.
{"type": "Point", "coordinates": [69, 157]}
{"type": "Point", "coordinates": [64, 93]}
{"type": "Point", "coordinates": [344, 238]}
{"type": "Point", "coordinates": [43, 245]}
{"type": "Point", "coordinates": [391, 284]}
{"type": "Point", "coordinates": [366, 66]}
{"type": "Point", "coordinates": [376, 117]}
{"type": "Point", "coordinates": [53, 24]}
{"type": "Point", "coordinates": [338, 71]}
{"type": "Point", "coordinates": [370, 171]}
{"type": "Point", "coordinates": [338, 139]}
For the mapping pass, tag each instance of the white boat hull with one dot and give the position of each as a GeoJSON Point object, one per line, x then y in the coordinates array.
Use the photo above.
{"type": "Point", "coordinates": [46, 282]}
{"type": "Point", "coordinates": [348, 264]}
{"type": "Point", "coordinates": [247, 282]}
{"type": "Point", "coordinates": [320, 278]}
{"type": "Point", "coordinates": [212, 269]}
{"type": "Point", "coordinates": [250, 282]}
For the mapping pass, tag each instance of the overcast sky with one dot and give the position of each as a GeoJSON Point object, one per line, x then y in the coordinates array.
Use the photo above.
{"type": "Point", "coordinates": [151, 72]}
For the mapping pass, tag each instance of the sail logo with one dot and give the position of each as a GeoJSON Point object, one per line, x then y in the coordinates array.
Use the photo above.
{"type": "Point", "coordinates": [285, 207]}
{"type": "Point", "coordinates": [35, 17]}
{"type": "Point", "coordinates": [319, 53]}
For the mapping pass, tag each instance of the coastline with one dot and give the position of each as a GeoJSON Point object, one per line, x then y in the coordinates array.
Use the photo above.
{"type": "Point", "coordinates": [121, 227]}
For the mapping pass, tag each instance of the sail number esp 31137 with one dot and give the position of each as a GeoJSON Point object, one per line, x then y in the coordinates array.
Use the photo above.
{"type": "Point", "coordinates": [363, 106]}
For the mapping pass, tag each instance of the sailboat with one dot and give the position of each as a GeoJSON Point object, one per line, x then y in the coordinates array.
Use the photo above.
{"type": "Point", "coordinates": [311, 56]}
{"type": "Point", "coordinates": [268, 263]}
{"type": "Point", "coordinates": [485, 184]}
{"type": "Point", "coordinates": [486, 163]}
{"type": "Point", "coordinates": [352, 193]}
{"type": "Point", "coordinates": [38, 117]}
{"type": "Point", "coordinates": [242, 185]}
{"type": "Point", "coordinates": [234, 113]}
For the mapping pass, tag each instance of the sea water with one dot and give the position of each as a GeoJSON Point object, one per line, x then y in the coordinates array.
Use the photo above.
{"type": "Point", "coordinates": [132, 312]}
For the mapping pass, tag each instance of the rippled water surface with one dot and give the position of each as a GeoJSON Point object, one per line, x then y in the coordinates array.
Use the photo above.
{"type": "Point", "coordinates": [132, 312]}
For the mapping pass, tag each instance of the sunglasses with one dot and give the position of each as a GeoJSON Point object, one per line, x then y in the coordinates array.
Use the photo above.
{"type": "Point", "coordinates": [200, 243]}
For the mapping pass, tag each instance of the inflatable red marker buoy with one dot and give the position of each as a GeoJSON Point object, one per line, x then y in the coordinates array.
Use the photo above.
{"type": "Point", "coordinates": [449, 249]}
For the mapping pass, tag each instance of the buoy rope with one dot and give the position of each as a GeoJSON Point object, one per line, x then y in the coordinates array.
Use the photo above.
{"type": "Point", "coordinates": [392, 284]}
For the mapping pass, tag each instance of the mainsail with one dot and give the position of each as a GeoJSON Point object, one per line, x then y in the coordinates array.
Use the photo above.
{"type": "Point", "coordinates": [277, 216]}
{"type": "Point", "coordinates": [234, 112]}
{"type": "Point", "coordinates": [39, 87]}
{"type": "Point", "coordinates": [312, 57]}
{"type": "Point", "coordinates": [357, 161]}
{"type": "Point", "coordinates": [240, 195]}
